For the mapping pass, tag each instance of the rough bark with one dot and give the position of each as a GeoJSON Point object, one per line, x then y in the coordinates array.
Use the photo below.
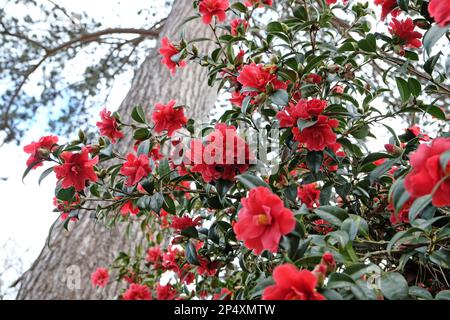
{"type": "Point", "coordinates": [62, 271]}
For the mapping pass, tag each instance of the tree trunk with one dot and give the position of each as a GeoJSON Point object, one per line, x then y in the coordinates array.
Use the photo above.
{"type": "Point", "coordinates": [63, 270]}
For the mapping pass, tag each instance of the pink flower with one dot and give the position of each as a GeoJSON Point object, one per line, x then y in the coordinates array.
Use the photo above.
{"type": "Point", "coordinates": [210, 8]}
{"type": "Point", "coordinates": [309, 194]}
{"type": "Point", "coordinates": [181, 223]}
{"type": "Point", "coordinates": [237, 24]}
{"type": "Point", "coordinates": [262, 220]}
{"type": "Point", "coordinates": [260, 3]}
{"type": "Point", "coordinates": [39, 151]}
{"type": "Point", "coordinates": [168, 50]}
{"type": "Point", "coordinates": [135, 168]}
{"type": "Point", "coordinates": [387, 7]}
{"type": "Point", "coordinates": [258, 76]}
{"type": "Point", "coordinates": [167, 292]}
{"type": "Point", "coordinates": [224, 294]}
{"type": "Point", "coordinates": [76, 169]}
{"type": "Point", "coordinates": [404, 33]}
{"type": "Point", "coordinates": [440, 11]}
{"type": "Point", "coordinates": [166, 117]}
{"type": "Point", "coordinates": [100, 277]}
{"type": "Point", "coordinates": [292, 284]}
{"type": "Point", "coordinates": [108, 126]}
{"type": "Point", "coordinates": [129, 208]}
{"type": "Point", "coordinates": [427, 175]}
{"type": "Point", "coordinates": [318, 136]}
{"type": "Point", "coordinates": [137, 292]}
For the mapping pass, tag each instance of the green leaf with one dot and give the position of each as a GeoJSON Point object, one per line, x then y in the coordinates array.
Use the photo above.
{"type": "Point", "coordinates": [144, 148]}
{"type": "Point", "coordinates": [239, 7]}
{"type": "Point", "coordinates": [441, 257]}
{"type": "Point", "coordinates": [381, 169]}
{"type": "Point", "coordinates": [399, 236]}
{"type": "Point", "coordinates": [29, 168]}
{"type": "Point", "coordinates": [394, 286]}
{"type": "Point", "coordinates": [443, 295]}
{"type": "Point", "coordinates": [280, 97]}
{"type": "Point", "coordinates": [275, 26]}
{"type": "Point", "coordinates": [374, 157]}
{"type": "Point", "coordinates": [418, 205]}
{"type": "Point", "coordinates": [65, 194]}
{"type": "Point", "coordinates": [431, 63]}
{"type": "Point", "coordinates": [190, 232]}
{"type": "Point", "coordinates": [403, 4]}
{"type": "Point", "coordinates": [303, 124]}
{"type": "Point", "coordinates": [138, 114]}
{"type": "Point", "coordinates": [415, 87]}
{"type": "Point", "coordinates": [141, 134]}
{"type": "Point", "coordinates": [403, 88]}
{"type": "Point", "coordinates": [45, 174]}
{"type": "Point", "coordinates": [419, 292]}
{"type": "Point", "coordinates": [156, 202]}
{"type": "Point", "coordinates": [332, 214]}
{"type": "Point", "coordinates": [432, 36]}
{"type": "Point", "coordinates": [251, 181]}
{"type": "Point", "coordinates": [222, 187]}
{"type": "Point", "coordinates": [436, 112]}
{"type": "Point", "coordinates": [191, 254]}
{"type": "Point", "coordinates": [368, 44]}
{"type": "Point", "coordinates": [314, 161]}
{"type": "Point", "coordinates": [444, 160]}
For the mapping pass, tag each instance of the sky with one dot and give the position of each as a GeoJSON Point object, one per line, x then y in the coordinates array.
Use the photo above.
{"type": "Point", "coordinates": [26, 208]}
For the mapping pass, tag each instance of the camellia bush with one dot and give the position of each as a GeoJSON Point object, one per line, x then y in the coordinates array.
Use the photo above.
{"type": "Point", "coordinates": [282, 196]}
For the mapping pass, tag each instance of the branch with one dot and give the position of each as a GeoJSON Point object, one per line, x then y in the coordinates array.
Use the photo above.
{"type": "Point", "coordinates": [83, 39]}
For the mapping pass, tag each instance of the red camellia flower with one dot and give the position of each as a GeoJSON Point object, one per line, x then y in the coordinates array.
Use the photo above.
{"type": "Point", "coordinates": [100, 277]}
{"type": "Point", "coordinates": [210, 8]}
{"type": "Point", "coordinates": [40, 150]}
{"type": "Point", "coordinates": [328, 261]}
{"type": "Point", "coordinates": [224, 294]}
{"type": "Point", "coordinates": [440, 11]}
{"type": "Point", "coordinates": [166, 117]}
{"type": "Point", "coordinates": [304, 109]}
{"type": "Point", "coordinates": [260, 3]}
{"type": "Point", "coordinates": [310, 109]}
{"type": "Point", "coordinates": [154, 256]}
{"type": "Point", "coordinates": [137, 292]}
{"type": "Point", "coordinates": [166, 292]}
{"type": "Point", "coordinates": [262, 220]}
{"type": "Point", "coordinates": [181, 223]}
{"type": "Point", "coordinates": [135, 168]}
{"type": "Point", "coordinates": [168, 50]}
{"type": "Point", "coordinates": [404, 34]}
{"type": "Point", "coordinates": [313, 78]}
{"type": "Point", "coordinates": [427, 173]}
{"type": "Point", "coordinates": [76, 169]}
{"type": "Point", "coordinates": [322, 226]}
{"type": "Point", "coordinates": [319, 136]}
{"type": "Point", "coordinates": [258, 76]}
{"type": "Point", "coordinates": [402, 216]}
{"type": "Point", "coordinates": [223, 156]}
{"type": "Point", "coordinates": [129, 208]}
{"type": "Point", "coordinates": [309, 194]}
{"type": "Point", "coordinates": [415, 130]}
{"type": "Point", "coordinates": [108, 126]}
{"type": "Point", "coordinates": [388, 7]}
{"type": "Point", "coordinates": [237, 24]}
{"type": "Point", "coordinates": [292, 284]}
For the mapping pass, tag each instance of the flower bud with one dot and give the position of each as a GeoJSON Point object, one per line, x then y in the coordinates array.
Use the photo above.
{"type": "Point", "coordinates": [393, 149]}
{"type": "Point", "coordinates": [329, 262]}
{"type": "Point", "coordinates": [333, 68]}
{"type": "Point", "coordinates": [320, 271]}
